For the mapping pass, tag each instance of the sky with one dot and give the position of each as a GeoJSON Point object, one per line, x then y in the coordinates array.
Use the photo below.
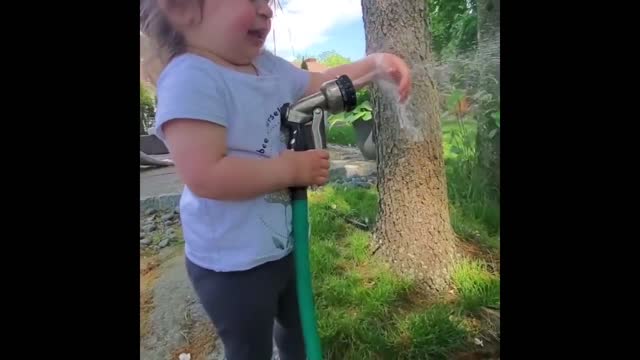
{"type": "Point", "coordinates": [310, 27]}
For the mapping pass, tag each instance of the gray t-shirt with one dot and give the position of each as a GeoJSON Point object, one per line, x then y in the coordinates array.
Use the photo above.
{"type": "Point", "coordinates": [234, 235]}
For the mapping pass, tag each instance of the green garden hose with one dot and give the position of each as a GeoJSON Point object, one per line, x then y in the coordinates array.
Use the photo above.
{"type": "Point", "coordinates": [303, 276]}
{"type": "Point", "coordinates": [305, 123]}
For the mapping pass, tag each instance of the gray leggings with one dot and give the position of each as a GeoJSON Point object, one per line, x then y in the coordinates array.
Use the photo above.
{"type": "Point", "coordinates": [243, 305]}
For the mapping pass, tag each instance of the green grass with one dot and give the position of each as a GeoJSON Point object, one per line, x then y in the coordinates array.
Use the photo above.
{"type": "Point", "coordinates": [342, 135]}
{"type": "Point", "coordinates": [364, 311]}
{"type": "Point", "coordinates": [354, 203]}
{"type": "Point", "coordinates": [436, 331]}
{"type": "Point", "coordinates": [476, 286]}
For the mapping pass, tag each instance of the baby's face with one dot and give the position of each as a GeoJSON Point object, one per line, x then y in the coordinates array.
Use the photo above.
{"type": "Point", "coordinates": [236, 29]}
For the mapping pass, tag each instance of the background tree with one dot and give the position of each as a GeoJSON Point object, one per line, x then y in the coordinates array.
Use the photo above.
{"type": "Point", "coordinates": [413, 232]}
{"type": "Point", "coordinates": [453, 26]}
{"type": "Point", "coordinates": [332, 59]}
{"type": "Point", "coordinates": [147, 109]}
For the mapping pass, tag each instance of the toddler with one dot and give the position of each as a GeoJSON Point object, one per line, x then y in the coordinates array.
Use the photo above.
{"type": "Point", "coordinates": [219, 98]}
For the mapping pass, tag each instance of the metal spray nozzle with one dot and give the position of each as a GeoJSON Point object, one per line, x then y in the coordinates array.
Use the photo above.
{"type": "Point", "coordinates": [305, 119]}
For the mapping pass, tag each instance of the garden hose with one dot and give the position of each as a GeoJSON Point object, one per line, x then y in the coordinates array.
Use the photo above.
{"type": "Point", "coordinates": [305, 121]}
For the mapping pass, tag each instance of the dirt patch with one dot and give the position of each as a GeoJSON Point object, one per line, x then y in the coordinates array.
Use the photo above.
{"type": "Point", "coordinates": [148, 276]}
{"type": "Point", "coordinates": [150, 271]}
{"type": "Point", "coordinates": [200, 341]}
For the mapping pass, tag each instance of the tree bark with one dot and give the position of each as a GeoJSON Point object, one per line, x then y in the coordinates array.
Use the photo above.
{"type": "Point", "coordinates": [413, 232]}
{"type": "Point", "coordinates": [488, 136]}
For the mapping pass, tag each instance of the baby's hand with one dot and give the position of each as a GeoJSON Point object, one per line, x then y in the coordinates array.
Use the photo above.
{"type": "Point", "coordinates": [307, 168]}
{"type": "Point", "coordinates": [391, 67]}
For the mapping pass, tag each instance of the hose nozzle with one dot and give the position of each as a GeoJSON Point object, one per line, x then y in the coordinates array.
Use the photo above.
{"type": "Point", "coordinates": [305, 118]}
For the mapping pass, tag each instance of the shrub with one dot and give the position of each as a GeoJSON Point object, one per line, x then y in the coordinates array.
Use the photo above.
{"type": "Point", "coordinates": [147, 108]}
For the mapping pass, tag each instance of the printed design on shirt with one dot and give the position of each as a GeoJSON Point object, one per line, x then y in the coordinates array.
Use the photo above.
{"type": "Point", "coordinates": [281, 237]}
{"type": "Point", "coordinates": [272, 124]}
{"type": "Point", "coordinates": [280, 240]}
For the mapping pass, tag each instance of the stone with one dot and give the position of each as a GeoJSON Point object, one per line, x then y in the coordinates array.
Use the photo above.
{"type": "Point", "coordinates": [149, 212]}
{"type": "Point", "coordinates": [176, 210]}
{"type": "Point", "coordinates": [167, 217]}
{"type": "Point", "coordinates": [350, 168]}
{"type": "Point", "coordinates": [149, 228]}
{"type": "Point", "coordinates": [163, 243]}
{"type": "Point", "coordinates": [168, 201]}
{"type": "Point", "coordinates": [145, 242]}
{"type": "Point", "coordinates": [152, 145]}
{"type": "Point", "coordinates": [168, 223]}
{"type": "Point", "coordinates": [141, 235]}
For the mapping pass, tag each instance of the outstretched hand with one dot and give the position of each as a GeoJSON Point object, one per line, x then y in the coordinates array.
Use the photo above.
{"type": "Point", "coordinates": [393, 68]}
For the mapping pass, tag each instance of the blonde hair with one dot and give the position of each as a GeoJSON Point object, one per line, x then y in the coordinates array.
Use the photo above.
{"type": "Point", "coordinates": [159, 40]}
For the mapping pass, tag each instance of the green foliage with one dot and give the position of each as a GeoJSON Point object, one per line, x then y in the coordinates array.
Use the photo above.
{"type": "Point", "coordinates": [453, 25]}
{"type": "Point", "coordinates": [342, 135]}
{"type": "Point", "coordinates": [475, 209]}
{"type": "Point", "coordinates": [147, 106]}
{"type": "Point", "coordinates": [362, 111]}
{"type": "Point", "coordinates": [332, 59]}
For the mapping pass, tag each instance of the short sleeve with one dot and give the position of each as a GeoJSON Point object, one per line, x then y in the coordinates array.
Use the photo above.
{"type": "Point", "coordinates": [298, 78]}
{"type": "Point", "coordinates": [190, 89]}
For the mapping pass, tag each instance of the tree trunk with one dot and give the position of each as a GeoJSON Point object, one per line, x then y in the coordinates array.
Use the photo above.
{"type": "Point", "coordinates": [413, 232]}
{"type": "Point", "coordinates": [488, 138]}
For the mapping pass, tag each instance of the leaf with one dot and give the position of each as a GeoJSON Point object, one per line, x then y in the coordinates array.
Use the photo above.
{"type": "Point", "coordinates": [456, 150]}
{"type": "Point", "coordinates": [492, 133]}
{"type": "Point", "coordinates": [365, 105]}
{"type": "Point", "coordinates": [367, 116]}
{"type": "Point", "coordinates": [277, 243]}
{"type": "Point", "coordinates": [496, 118]}
{"type": "Point", "coordinates": [335, 119]}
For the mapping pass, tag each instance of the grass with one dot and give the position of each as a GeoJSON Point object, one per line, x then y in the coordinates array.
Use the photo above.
{"type": "Point", "coordinates": [477, 286]}
{"type": "Point", "coordinates": [364, 311]}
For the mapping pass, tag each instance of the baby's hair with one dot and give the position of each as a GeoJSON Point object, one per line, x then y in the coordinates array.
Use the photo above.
{"type": "Point", "coordinates": [154, 24]}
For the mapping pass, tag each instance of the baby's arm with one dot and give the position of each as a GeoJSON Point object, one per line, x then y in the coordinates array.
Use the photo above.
{"type": "Point", "coordinates": [373, 67]}
{"type": "Point", "coordinates": [198, 149]}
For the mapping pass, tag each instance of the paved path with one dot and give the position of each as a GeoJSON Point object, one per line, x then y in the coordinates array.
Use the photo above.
{"type": "Point", "coordinates": [158, 181]}
{"type": "Point", "coordinates": [345, 162]}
